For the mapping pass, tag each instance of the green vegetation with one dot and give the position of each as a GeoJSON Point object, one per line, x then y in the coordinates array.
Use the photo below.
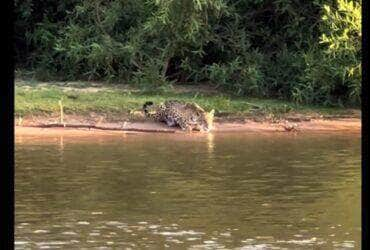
{"type": "Point", "coordinates": [81, 98]}
{"type": "Point", "coordinates": [304, 51]}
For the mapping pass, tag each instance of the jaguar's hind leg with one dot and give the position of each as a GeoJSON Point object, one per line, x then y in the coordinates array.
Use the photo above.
{"type": "Point", "coordinates": [170, 122]}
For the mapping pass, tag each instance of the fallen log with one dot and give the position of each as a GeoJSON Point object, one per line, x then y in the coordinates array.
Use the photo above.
{"type": "Point", "coordinates": [58, 125]}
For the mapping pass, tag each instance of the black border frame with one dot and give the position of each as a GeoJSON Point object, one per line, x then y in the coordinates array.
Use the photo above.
{"type": "Point", "coordinates": [7, 129]}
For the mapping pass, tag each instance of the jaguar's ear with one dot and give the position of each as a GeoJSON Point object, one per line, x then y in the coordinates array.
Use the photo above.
{"type": "Point", "coordinates": [212, 112]}
{"type": "Point", "coordinates": [150, 103]}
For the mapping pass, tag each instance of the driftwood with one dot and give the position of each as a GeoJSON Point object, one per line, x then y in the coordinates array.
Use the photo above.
{"type": "Point", "coordinates": [59, 125]}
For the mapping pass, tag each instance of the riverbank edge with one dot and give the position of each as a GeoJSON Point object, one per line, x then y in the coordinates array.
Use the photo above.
{"type": "Point", "coordinates": [339, 125]}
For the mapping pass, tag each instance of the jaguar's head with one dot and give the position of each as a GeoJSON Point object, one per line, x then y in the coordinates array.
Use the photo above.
{"type": "Point", "coordinates": [147, 105]}
{"type": "Point", "coordinates": [149, 109]}
{"type": "Point", "coordinates": [206, 121]}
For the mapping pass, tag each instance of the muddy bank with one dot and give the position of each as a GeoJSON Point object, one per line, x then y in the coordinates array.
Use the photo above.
{"type": "Point", "coordinates": [344, 125]}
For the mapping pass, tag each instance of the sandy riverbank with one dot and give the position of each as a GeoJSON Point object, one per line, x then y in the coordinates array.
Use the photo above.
{"type": "Point", "coordinates": [345, 125]}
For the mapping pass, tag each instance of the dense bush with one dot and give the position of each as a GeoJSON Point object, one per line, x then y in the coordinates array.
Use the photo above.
{"type": "Point", "coordinates": [303, 50]}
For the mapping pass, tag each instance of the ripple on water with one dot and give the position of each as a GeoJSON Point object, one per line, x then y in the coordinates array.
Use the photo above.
{"type": "Point", "coordinates": [208, 245]}
{"type": "Point", "coordinates": [69, 233]}
{"type": "Point", "coordinates": [83, 223]}
{"type": "Point", "coordinates": [345, 244]}
{"type": "Point", "coordinates": [19, 242]}
{"type": "Point", "coordinates": [115, 223]}
{"type": "Point", "coordinates": [192, 238]}
{"type": "Point", "coordinates": [96, 213]}
{"type": "Point", "coordinates": [52, 243]}
{"type": "Point", "coordinates": [41, 231]}
{"type": "Point", "coordinates": [154, 226]}
{"type": "Point", "coordinates": [176, 241]}
{"type": "Point", "coordinates": [299, 242]}
{"type": "Point", "coordinates": [179, 233]}
{"type": "Point", "coordinates": [226, 234]}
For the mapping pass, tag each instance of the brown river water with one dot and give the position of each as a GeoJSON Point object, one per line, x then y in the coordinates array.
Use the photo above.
{"type": "Point", "coordinates": [167, 191]}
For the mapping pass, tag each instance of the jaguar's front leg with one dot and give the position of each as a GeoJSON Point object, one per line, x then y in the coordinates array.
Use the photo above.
{"type": "Point", "coordinates": [187, 128]}
{"type": "Point", "coordinates": [184, 125]}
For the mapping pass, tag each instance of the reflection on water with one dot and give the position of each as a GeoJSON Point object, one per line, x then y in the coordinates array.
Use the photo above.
{"type": "Point", "coordinates": [212, 191]}
{"type": "Point", "coordinates": [210, 144]}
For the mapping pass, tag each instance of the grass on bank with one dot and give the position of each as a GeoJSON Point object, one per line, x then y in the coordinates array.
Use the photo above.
{"type": "Point", "coordinates": [83, 98]}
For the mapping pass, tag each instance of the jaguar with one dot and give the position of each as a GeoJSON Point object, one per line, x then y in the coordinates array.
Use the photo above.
{"type": "Point", "coordinates": [188, 116]}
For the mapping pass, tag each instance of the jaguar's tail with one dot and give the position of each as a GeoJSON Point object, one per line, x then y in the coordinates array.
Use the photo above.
{"type": "Point", "coordinates": [146, 105]}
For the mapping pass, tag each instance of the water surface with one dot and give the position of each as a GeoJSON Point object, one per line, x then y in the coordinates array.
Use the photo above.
{"type": "Point", "coordinates": [217, 191]}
